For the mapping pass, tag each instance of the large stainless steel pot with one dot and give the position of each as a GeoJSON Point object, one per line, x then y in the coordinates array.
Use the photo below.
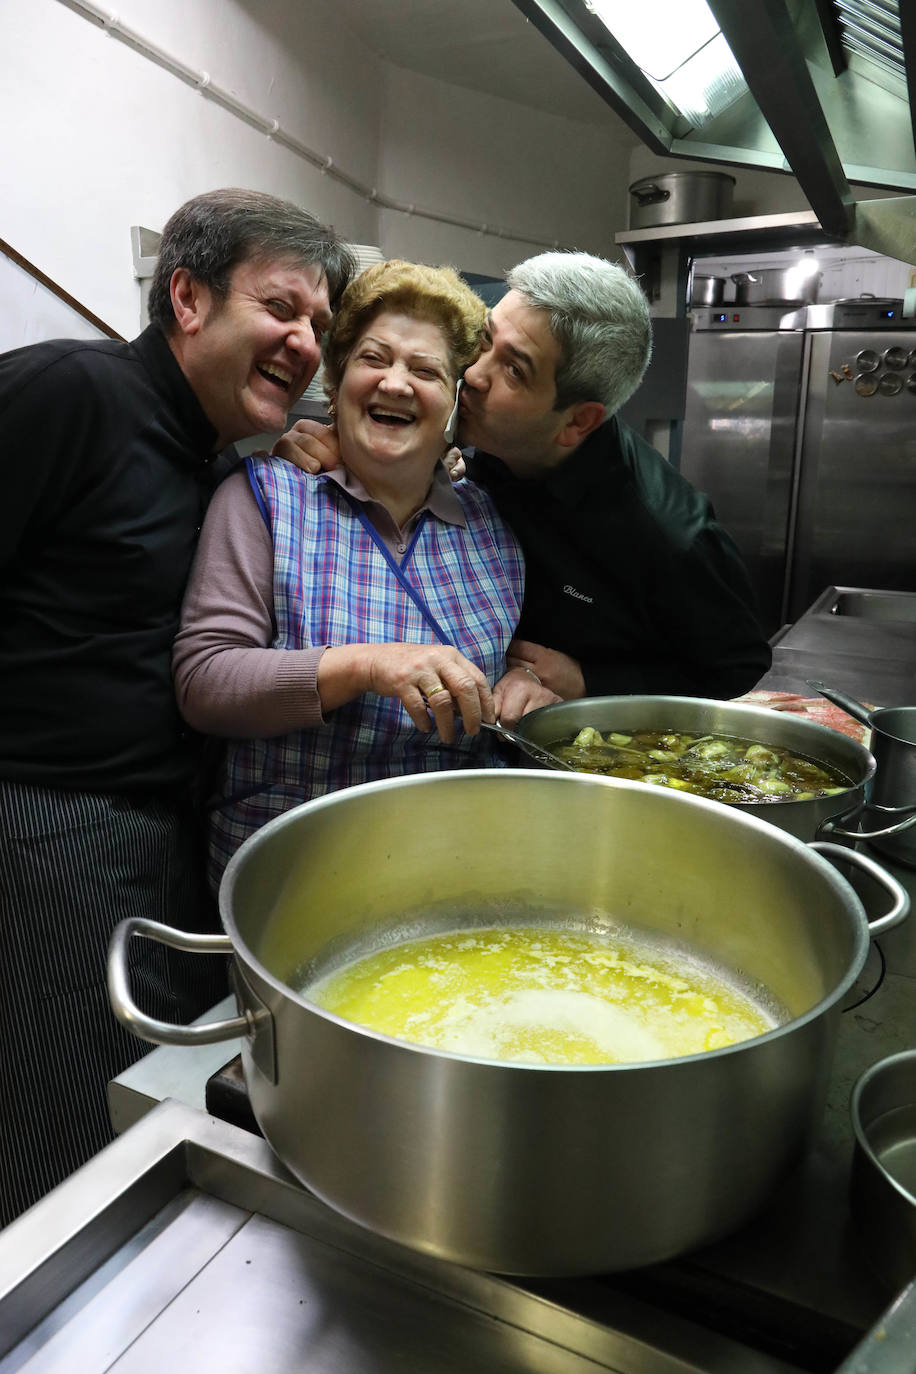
{"type": "Point", "coordinates": [794, 285]}
{"type": "Point", "coordinates": [808, 820]}
{"type": "Point", "coordinates": [680, 198]}
{"type": "Point", "coordinates": [893, 744]}
{"type": "Point", "coordinates": [526, 1168]}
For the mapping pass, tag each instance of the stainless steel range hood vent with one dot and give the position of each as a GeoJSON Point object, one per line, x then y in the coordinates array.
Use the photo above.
{"type": "Point", "coordinates": [824, 89]}
{"type": "Point", "coordinates": [870, 30]}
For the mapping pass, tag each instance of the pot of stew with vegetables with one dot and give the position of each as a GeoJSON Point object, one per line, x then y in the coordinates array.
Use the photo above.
{"type": "Point", "coordinates": [803, 777]}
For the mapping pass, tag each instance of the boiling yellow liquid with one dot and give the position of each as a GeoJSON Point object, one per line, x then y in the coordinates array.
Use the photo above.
{"type": "Point", "coordinates": [542, 997]}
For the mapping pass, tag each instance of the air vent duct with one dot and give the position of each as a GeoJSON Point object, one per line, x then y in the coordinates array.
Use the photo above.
{"type": "Point", "coordinates": [870, 29]}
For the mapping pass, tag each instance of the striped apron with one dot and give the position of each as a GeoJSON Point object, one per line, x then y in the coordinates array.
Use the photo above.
{"type": "Point", "coordinates": [71, 866]}
{"type": "Point", "coordinates": [336, 583]}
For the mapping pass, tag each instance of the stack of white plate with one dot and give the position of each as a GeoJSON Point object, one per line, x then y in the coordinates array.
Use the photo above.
{"type": "Point", "coordinates": [365, 254]}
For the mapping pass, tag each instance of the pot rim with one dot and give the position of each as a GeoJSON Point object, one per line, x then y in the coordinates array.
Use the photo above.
{"type": "Point", "coordinates": [670, 176]}
{"type": "Point", "coordinates": [770, 834]}
{"type": "Point", "coordinates": [903, 1059]}
{"type": "Point", "coordinates": [886, 726]}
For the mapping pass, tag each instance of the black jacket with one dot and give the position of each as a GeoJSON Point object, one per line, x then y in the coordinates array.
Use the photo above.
{"type": "Point", "coordinates": [628, 572]}
{"type": "Point", "coordinates": [107, 466]}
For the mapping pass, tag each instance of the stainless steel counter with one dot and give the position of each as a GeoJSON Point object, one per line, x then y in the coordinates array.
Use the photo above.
{"type": "Point", "coordinates": [188, 1235]}
{"type": "Point", "coordinates": [185, 1245]}
{"type": "Point", "coordinates": [858, 639]}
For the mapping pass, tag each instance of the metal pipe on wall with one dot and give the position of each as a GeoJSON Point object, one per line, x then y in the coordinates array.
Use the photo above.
{"type": "Point", "coordinates": [203, 82]}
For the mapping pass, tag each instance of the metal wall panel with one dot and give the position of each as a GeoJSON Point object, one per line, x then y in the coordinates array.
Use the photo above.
{"type": "Point", "coordinates": [743, 393]}
{"type": "Point", "coordinates": [856, 521]}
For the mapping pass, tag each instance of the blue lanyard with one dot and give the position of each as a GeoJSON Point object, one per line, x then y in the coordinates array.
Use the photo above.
{"type": "Point", "coordinates": [396, 567]}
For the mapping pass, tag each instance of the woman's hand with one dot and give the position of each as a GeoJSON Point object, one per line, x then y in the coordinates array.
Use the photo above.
{"type": "Point", "coordinates": [428, 679]}
{"type": "Point", "coordinates": [312, 446]}
{"type": "Point", "coordinates": [518, 692]}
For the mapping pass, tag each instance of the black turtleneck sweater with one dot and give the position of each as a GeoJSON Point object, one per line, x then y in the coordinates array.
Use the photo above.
{"type": "Point", "coordinates": [107, 466]}
{"type": "Point", "coordinates": [627, 571]}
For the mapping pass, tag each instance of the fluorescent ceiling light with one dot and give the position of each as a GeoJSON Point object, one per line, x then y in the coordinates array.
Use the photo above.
{"type": "Point", "coordinates": [682, 52]}
{"type": "Point", "coordinates": [660, 44]}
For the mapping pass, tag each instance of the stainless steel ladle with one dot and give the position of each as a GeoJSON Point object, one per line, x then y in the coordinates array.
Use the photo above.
{"type": "Point", "coordinates": [534, 751]}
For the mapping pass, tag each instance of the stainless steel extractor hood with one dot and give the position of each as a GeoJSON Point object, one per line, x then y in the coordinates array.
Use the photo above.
{"type": "Point", "coordinates": [824, 89]}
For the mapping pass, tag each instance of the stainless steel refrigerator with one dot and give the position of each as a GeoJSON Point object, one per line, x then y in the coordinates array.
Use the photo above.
{"type": "Point", "coordinates": [801, 427]}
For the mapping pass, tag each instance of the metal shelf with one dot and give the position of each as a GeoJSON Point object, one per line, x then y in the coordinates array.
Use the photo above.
{"type": "Point", "coordinates": [729, 235]}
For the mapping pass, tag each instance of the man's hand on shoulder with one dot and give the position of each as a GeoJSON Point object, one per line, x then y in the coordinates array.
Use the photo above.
{"type": "Point", "coordinates": [557, 671]}
{"type": "Point", "coordinates": [454, 464]}
{"type": "Point", "coordinates": [314, 447]}
{"type": "Point", "coordinates": [310, 445]}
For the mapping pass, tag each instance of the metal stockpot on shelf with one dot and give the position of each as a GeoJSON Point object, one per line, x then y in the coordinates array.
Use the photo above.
{"type": "Point", "coordinates": [529, 1168]}
{"type": "Point", "coordinates": [823, 817]}
{"type": "Point", "coordinates": [680, 198]}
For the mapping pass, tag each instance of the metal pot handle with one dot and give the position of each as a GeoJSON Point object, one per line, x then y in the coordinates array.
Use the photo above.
{"type": "Point", "coordinates": [838, 853]}
{"type": "Point", "coordinates": [857, 709]}
{"type": "Point", "coordinates": [829, 826]}
{"type": "Point", "coordinates": [147, 1027]}
{"type": "Point", "coordinates": [834, 825]}
{"type": "Point", "coordinates": [651, 195]}
{"type": "Point", "coordinates": [908, 812]}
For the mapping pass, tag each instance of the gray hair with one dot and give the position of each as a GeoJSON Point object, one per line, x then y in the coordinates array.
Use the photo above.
{"type": "Point", "coordinates": [211, 234]}
{"type": "Point", "coordinates": [598, 316]}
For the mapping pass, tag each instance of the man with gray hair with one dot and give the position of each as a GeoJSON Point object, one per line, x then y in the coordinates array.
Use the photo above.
{"type": "Point", "coordinates": [631, 586]}
{"type": "Point", "coordinates": [109, 451]}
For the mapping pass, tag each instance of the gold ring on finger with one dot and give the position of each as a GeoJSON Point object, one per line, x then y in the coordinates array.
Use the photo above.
{"type": "Point", "coordinates": [433, 690]}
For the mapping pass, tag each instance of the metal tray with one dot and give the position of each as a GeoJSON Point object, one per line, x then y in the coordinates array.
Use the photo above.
{"type": "Point", "coordinates": [186, 1245]}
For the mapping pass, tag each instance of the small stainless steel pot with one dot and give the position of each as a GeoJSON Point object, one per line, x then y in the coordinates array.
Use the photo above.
{"type": "Point", "coordinates": [893, 795]}
{"type": "Point", "coordinates": [529, 1168]}
{"type": "Point", "coordinates": [808, 820]}
{"type": "Point", "coordinates": [776, 286]}
{"type": "Point", "coordinates": [707, 290]}
{"type": "Point", "coordinates": [883, 1186]}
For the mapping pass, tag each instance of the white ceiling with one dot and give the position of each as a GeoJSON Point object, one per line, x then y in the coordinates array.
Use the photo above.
{"type": "Point", "coordinates": [483, 45]}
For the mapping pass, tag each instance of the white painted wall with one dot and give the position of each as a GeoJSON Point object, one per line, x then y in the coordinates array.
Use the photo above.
{"type": "Point", "coordinates": [98, 138]}
{"type": "Point", "coordinates": [30, 313]}
{"type": "Point", "coordinates": [844, 271]}
{"type": "Point", "coordinates": [489, 160]}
